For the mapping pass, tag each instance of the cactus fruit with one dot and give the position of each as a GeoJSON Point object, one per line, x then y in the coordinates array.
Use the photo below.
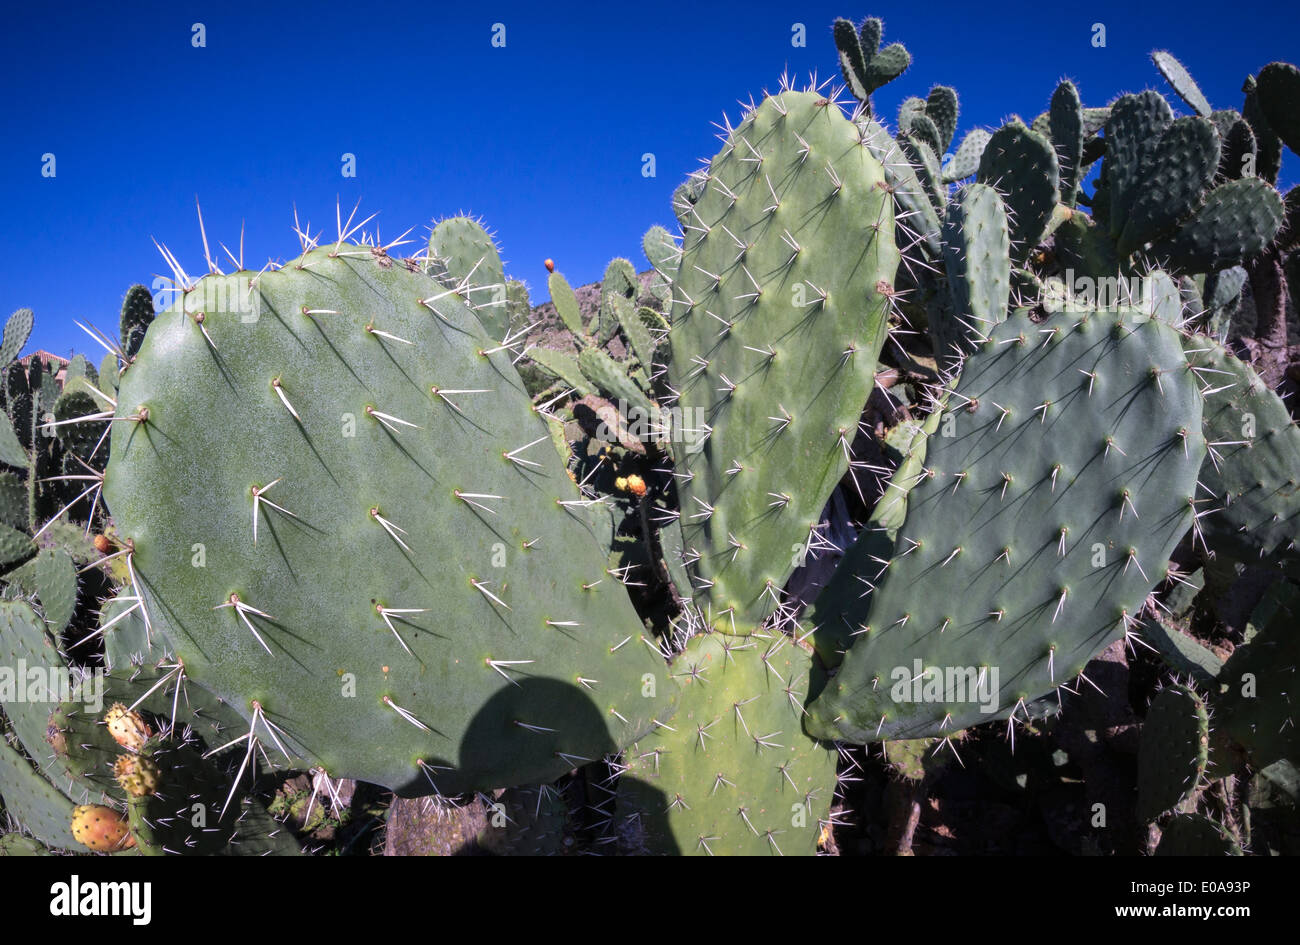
{"type": "Point", "coordinates": [1023, 553]}
{"type": "Point", "coordinates": [733, 773]}
{"type": "Point", "coordinates": [127, 728]}
{"type": "Point", "coordinates": [775, 334]}
{"type": "Point", "coordinates": [138, 775]}
{"type": "Point", "coordinates": [101, 829]}
{"type": "Point", "coordinates": [371, 562]}
{"type": "Point", "coordinates": [1174, 751]}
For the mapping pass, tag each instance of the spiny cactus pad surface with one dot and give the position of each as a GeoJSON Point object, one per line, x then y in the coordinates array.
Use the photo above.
{"type": "Point", "coordinates": [1174, 751]}
{"type": "Point", "coordinates": [779, 312]}
{"type": "Point", "coordinates": [1037, 529]}
{"type": "Point", "coordinates": [351, 525]}
{"type": "Point", "coordinates": [732, 773]}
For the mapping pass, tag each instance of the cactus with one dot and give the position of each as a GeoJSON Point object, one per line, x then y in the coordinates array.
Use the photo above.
{"type": "Point", "coordinates": [1181, 82]}
{"type": "Point", "coordinates": [1278, 89]}
{"type": "Point", "coordinates": [137, 314]}
{"type": "Point", "coordinates": [466, 256]}
{"type": "Point", "coordinates": [18, 329]}
{"type": "Point", "coordinates": [774, 340]}
{"type": "Point", "coordinates": [733, 774]}
{"type": "Point", "coordinates": [1196, 835]}
{"type": "Point", "coordinates": [865, 66]}
{"type": "Point", "coordinates": [464, 675]}
{"type": "Point", "coordinates": [41, 808]}
{"type": "Point", "coordinates": [1023, 166]}
{"type": "Point", "coordinates": [192, 810]}
{"type": "Point", "coordinates": [1253, 504]}
{"type": "Point", "coordinates": [966, 159]}
{"type": "Point", "coordinates": [1174, 751]}
{"type": "Point", "coordinates": [1258, 707]}
{"type": "Point", "coordinates": [1000, 571]}
{"type": "Point", "coordinates": [977, 256]}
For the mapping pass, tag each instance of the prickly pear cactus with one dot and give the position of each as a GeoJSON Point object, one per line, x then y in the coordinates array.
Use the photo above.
{"type": "Point", "coordinates": [465, 253]}
{"type": "Point", "coordinates": [732, 773]}
{"type": "Point", "coordinates": [1059, 481]}
{"type": "Point", "coordinates": [1252, 473]}
{"type": "Point", "coordinates": [780, 308]}
{"type": "Point", "coordinates": [345, 516]}
{"type": "Point", "coordinates": [1174, 751]}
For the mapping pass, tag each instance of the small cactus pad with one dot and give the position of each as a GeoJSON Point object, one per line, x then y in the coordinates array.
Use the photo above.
{"type": "Point", "coordinates": [36, 804]}
{"type": "Point", "coordinates": [1174, 751]}
{"type": "Point", "coordinates": [1260, 702]}
{"type": "Point", "coordinates": [1182, 82]}
{"type": "Point", "coordinates": [1252, 472]}
{"type": "Point", "coordinates": [370, 544]}
{"type": "Point", "coordinates": [1023, 166]}
{"type": "Point", "coordinates": [37, 675]}
{"type": "Point", "coordinates": [779, 312]}
{"type": "Point", "coordinates": [1057, 485]}
{"type": "Point", "coordinates": [473, 265]}
{"type": "Point", "coordinates": [734, 774]}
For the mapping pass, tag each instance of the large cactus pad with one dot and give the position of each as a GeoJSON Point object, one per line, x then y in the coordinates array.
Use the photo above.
{"type": "Point", "coordinates": [344, 511]}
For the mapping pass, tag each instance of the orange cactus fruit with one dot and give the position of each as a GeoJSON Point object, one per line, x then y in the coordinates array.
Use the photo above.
{"type": "Point", "coordinates": [127, 728]}
{"type": "Point", "coordinates": [101, 829]}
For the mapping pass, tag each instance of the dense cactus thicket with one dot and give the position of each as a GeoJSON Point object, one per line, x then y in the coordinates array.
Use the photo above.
{"type": "Point", "coordinates": [954, 446]}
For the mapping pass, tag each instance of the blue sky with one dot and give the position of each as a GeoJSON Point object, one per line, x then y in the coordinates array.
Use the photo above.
{"type": "Point", "coordinates": [543, 138]}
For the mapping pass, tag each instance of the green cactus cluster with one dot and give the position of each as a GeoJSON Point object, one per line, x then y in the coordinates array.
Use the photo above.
{"type": "Point", "coordinates": [846, 468]}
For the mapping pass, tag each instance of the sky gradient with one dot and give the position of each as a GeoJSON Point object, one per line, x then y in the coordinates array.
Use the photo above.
{"type": "Point", "coordinates": [543, 138]}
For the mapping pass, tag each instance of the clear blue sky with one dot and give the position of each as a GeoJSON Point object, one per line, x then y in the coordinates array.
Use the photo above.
{"type": "Point", "coordinates": [543, 137]}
